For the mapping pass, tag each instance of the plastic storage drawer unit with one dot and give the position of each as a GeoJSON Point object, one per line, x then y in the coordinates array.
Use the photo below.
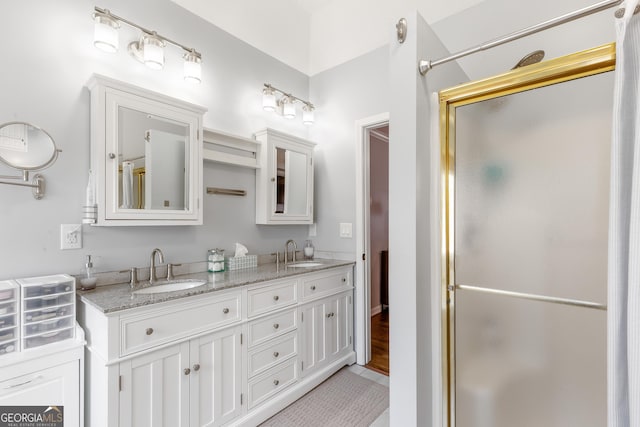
{"type": "Point", "coordinates": [9, 330]}
{"type": "Point", "coordinates": [48, 310]}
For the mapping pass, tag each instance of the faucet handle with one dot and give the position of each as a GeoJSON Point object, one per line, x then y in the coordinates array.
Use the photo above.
{"type": "Point", "coordinates": [133, 276]}
{"type": "Point", "coordinates": [170, 270]}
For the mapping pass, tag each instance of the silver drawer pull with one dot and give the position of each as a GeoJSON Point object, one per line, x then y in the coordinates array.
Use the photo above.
{"type": "Point", "coordinates": [276, 326]}
{"type": "Point", "coordinates": [276, 354]}
{"type": "Point", "coordinates": [149, 331]}
{"type": "Point", "coordinates": [196, 367]}
{"type": "Point", "coordinates": [313, 288]}
{"type": "Point", "coordinates": [187, 371]}
{"type": "Point", "coordinates": [23, 383]}
{"type": "Point", "coordinates": [276, 382]}
{"type": "Point", "coordinates": [225, 310]}
{"type": "Point", "coordinates": [276, 297]}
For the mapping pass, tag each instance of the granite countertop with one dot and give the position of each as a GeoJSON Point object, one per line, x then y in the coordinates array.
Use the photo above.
{"type": "Point", "coordinates": [114, 298]}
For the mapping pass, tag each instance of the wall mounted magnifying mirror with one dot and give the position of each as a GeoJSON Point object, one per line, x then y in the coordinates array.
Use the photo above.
{"type": "Point", "coordinates": [146, 156]}
{"type": "Point", "coordinates": [27, 148]}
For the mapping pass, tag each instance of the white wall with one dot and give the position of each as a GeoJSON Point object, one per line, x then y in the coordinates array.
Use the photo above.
{"type": "Point", "coordinates": [49, 56]}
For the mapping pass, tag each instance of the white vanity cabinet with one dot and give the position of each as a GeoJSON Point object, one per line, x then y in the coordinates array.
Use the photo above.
{"type": "Point", "coordinates": [194, 383]}
{"type": "Point", "coordinates": [146, 156]}
{"type": "Point", "coordinates": [232, 357]}
{"type": "Point", "coordinates": [284, 181]}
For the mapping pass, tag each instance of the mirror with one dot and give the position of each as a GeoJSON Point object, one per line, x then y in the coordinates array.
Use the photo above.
{"type": "Point", "coordinates": [151, 161]}
{"type": "Point", "coordinates": [146, 156]}
{"type": "Point", "coordinates": [291, 182]}
{"type": "Point", "coordinates": [26, 147]}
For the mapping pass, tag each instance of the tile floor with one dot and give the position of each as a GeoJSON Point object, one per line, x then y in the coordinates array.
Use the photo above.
{"type": "Point", "coordinates": [383, 419]}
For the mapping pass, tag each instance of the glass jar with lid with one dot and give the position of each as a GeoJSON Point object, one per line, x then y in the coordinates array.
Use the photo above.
{"type": "Point", "coordinates": [215, 260]}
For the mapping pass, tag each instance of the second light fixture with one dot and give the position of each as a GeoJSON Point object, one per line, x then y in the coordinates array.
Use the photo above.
{"type": "Point", "coordinates": [286, 104]}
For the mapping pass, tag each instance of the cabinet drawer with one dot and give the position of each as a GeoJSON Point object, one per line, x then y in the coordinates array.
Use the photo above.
{"type": "Point", "coordinates": [272, 382]}
{"type": "Point", "coordinates": [272, 326]}
{"type": "Point", "coordinates": [272, 353]}
{"type": "Point", "coordinates": [151, 329]}
{"type": "Point", "coordinates": [265, 299]}
{"type": "Point", "coordinates": [318, 286]}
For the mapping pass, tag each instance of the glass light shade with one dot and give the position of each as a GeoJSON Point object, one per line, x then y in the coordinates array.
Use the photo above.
{"type": "Point", "coordinates": [192, 67]}
{"type": "Point", "coordinates": [105, 33]}
{"type": "Point", "coordinates": [268, 100]}
{"type": "Point", "coordinates": [153, 51]}
{"type": "Point", "coordinates": [307, 115]}
{"type": "Point", "coordinates": [288, 108]}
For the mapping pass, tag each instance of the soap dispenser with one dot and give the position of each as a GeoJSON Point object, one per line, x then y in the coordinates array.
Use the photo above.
{"type": "Point", "coordinates": [88, 280]}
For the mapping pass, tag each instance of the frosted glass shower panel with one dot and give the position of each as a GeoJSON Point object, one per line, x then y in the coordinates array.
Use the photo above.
{"type": "Point", "coordinates": [532, 185]}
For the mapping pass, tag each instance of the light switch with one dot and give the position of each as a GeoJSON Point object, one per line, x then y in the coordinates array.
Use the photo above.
{"type": "Point", "coordinates": [346, 230]}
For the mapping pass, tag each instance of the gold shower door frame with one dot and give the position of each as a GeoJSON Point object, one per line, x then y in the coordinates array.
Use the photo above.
{"type": "Point", "coordinates": [581, 64]}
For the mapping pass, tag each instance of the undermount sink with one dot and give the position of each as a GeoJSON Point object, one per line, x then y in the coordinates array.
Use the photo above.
{"type": "Point", "coordinates": [305, 264]}
{"type": "Point", "coordinates": [176, 285]}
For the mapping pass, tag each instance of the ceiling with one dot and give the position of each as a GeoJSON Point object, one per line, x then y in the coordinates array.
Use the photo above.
{"type": "Point", "coordinates": [315, 35]}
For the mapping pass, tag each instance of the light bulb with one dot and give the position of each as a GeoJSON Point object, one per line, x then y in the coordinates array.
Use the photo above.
{"type": "Point", "coordinates": [105, 34]}
{"type": "Point", "coordinates": [192, 67]}
{"type": "Point", "coordinates": [288, 108]}
{"type": "Point", "coordinates": [153, 51]}
{"type": "Point", "coordinates": [307, 114]}
{"type": "Point", "coordinates": [268, 99]}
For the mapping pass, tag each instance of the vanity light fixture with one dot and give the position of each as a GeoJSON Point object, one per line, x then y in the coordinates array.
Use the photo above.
{"type": "Point", "coordinates": [149, 49]}
{"type": "Point", "coordinates": [286, 104]}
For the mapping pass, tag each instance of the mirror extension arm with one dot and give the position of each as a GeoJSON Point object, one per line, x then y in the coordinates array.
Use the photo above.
{"type": "Point", "coordinates": [37, 183]}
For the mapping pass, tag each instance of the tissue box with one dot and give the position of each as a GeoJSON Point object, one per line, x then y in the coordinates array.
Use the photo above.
{"type": "Point", "coordinates": [240, 262]}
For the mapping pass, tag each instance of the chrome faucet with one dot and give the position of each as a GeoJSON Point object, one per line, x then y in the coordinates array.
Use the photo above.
{"type": "Point", "coordinates": [286, 251]}
{"type": "Point", "coordinates": [152, 268]}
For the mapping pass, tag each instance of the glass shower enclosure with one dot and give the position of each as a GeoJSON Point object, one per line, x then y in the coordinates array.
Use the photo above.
{"type": "Point", "coordinates": [525, 203]}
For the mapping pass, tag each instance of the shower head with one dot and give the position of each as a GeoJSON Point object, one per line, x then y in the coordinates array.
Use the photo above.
{"type": "Point", "coordinates": [532, 58]}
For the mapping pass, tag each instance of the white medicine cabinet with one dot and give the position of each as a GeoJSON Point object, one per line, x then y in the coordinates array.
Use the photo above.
{"type": "Point", "coordinates": [146, 156]}
{"type": "Point", "coordinates": [284, 182]}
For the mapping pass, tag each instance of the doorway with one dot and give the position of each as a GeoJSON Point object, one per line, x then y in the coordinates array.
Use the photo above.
{"type": "Point", "coordinates": [372, 224]}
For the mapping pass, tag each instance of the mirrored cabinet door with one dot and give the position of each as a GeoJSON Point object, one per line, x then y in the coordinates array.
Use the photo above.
{"type": "Point", "coordinates": [146, 156]}
{"type": "Point", "coordinates": [284, 183]}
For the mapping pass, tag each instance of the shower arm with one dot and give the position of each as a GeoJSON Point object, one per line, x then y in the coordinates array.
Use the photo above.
{"type": "Point", "coordinates": [426, 65]}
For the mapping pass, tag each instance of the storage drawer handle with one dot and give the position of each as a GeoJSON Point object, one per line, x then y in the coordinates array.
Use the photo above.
{"type": "Point", "coordinates": [276, 326]}
{"type": "Point", "coordinates": [276, 297]}
{"type": "Point", "coordinates": [276, 382]}
{"type": "Point", "coordinates": [276, 354]}
{"type": "Point", "coordinates": [23, 383]}
{"type": "Point", "coordinates": [149, 331]}
{"type": "Point", "coordinates": [313, 288]}
{"type": "Point", "coordinates": [225, 310]}
{"type": "Point", "coordinates": [187, 371]}
{"type": "Point", "coordinates": [196, 367]}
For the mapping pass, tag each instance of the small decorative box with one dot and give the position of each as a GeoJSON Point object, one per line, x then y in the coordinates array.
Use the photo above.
{"type": "Point", "coordinates": [240, 262]}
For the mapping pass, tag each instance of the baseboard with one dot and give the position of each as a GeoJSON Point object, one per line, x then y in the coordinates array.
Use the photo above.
{"type": "Point", "coordinates": [376, 310]}
{"type": "Point", "coordinates": [295, 392]}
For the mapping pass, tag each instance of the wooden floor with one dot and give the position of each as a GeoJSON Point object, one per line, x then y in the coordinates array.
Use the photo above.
{"type": "Point", "coordinates": [380, 343]}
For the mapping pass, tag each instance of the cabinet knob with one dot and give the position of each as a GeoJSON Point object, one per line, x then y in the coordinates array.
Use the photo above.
{"type": "Point", "coordinates": [328, 315]}
{"type": "Point", "coordinates": [276, 326]}
{"type": "Point", "coordinates": [333, 314]}
{"type": "Point", "coordinates": [149, 331]}
{"type": "Point", "coordinates": [313, 287]}
{"type": "Point", "coordinates": [225, 310]}
{"type": "Point", "coordinates": [276, 297]}
{"type": "Point", "coordinates": [344, 279]}
{"type": "Point", "coordinates": [112, 156]}
{"type": "Point", "coordinates": [196, 367]}
{"type": "Point", "coordinates": [187, 371]}
{"type": "Point", "coordinates": [276, 354]}
{"type": "Point", "coordinates": [276, 382]}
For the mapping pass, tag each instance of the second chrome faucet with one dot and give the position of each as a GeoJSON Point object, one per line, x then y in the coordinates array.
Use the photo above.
{"type": "Point", "coordinates": [152, 268]}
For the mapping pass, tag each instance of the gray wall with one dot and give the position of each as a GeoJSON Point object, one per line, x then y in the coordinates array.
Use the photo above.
{"type": "Point", "coordinates": [49, 56]}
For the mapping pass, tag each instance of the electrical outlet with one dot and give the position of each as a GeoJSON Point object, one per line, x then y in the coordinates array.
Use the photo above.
{"type": "Point", "coordinates": [70, 236]}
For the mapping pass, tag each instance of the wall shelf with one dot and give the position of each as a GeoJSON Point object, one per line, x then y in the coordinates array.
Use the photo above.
{"type": "Point", "coordinates": [222, 147]}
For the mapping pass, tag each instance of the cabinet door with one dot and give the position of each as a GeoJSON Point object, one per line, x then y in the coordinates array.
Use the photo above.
{"type": "Point", "coordinates": [215, 378]}
{"type": "Point", "coordinates": [342, 320]}
{"type": "Point", "coordinates": [155, 388]}
{"type": "Point", "coordinates": [57, 386]}
{"type": "Point", "coordinates": [314, 329]}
